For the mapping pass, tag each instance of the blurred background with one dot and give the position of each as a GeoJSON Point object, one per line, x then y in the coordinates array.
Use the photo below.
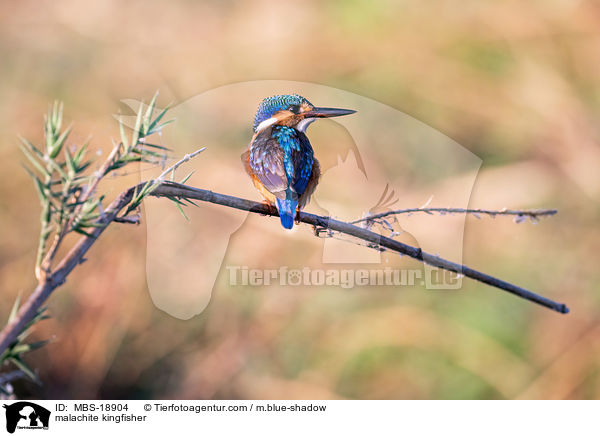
{"type": "Point", "coordinates": [515, 83]}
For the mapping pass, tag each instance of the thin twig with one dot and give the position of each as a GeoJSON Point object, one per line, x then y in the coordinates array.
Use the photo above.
{"type": "Point", "coordinates": [99, 175]}
{"type": "Point", "coordinates": [133, 219]}
{"type": "Point", "coordinates": [532, 213]}
{"type": "Point", "coordinates": [177, 164]}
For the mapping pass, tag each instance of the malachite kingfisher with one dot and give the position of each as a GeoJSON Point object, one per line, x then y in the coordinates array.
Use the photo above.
{"type": "Point", "coordinates": [280, 159]}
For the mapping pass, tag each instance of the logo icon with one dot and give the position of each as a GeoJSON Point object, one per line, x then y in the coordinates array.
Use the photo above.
{"type": "Point", "coordinates": [26, 415]}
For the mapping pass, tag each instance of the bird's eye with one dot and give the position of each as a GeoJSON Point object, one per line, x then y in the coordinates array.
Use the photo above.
{"type": "Point", "coordinates": [294, 108]}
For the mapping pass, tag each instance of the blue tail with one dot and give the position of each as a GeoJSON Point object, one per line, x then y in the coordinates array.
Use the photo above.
{"type": "Point", "coordinates": [287, 212]}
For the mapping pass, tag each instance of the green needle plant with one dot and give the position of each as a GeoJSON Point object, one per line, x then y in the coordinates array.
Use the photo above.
{"type": "Point", "coordinates": [70, 203]}
{"type": "Point", "coordinates": [67, 192]}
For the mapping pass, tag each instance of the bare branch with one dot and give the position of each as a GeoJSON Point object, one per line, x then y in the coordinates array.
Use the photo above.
{"type": "Point", "coordinates": [169, 189]}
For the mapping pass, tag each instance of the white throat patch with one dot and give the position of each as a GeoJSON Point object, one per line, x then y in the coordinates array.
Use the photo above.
{"type": "Point", "coordinates": [266, 124]}
{"type": "Point", "coordinates": [302, 125]}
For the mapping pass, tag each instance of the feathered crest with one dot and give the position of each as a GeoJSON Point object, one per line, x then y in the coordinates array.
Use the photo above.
{"type": "Point", "coordinates": [270, 105]}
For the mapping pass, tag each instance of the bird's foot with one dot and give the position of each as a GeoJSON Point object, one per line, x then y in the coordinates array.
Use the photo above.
{"type": "Point", "coordinates": [271, 209]}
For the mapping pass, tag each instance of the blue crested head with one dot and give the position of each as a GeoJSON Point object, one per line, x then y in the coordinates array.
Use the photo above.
{"type": "Point", "coordinates": [270, 105]}
{"type": "Point", "coordinates": [291, 110]}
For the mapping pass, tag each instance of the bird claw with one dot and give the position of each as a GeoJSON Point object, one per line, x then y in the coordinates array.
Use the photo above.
{"type": "Point", "coordinates": [271, 210]}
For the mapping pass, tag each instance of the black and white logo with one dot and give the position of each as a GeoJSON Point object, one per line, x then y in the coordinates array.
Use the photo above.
{"type": "Point", "coordinates": [26, 415]}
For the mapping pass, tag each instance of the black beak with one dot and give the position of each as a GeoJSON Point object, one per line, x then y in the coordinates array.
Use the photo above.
{"type": "Point", "coordinates": [327, 112]}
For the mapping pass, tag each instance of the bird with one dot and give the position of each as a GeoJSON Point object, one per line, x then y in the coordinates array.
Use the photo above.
{"type": "Point", "coordinates": [280, 159]}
